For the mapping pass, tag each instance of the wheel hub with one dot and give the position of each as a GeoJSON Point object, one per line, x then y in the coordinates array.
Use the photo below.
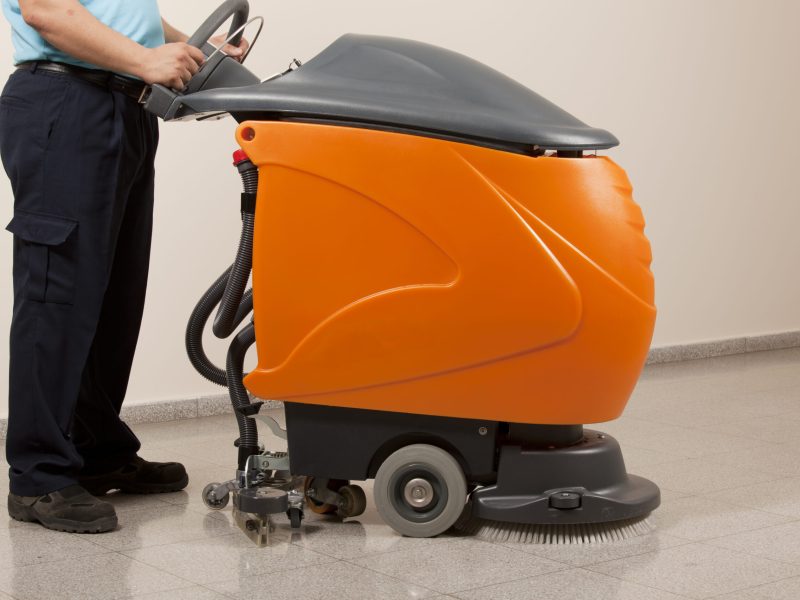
{"type": "Point", "coordinates": [418, 492]}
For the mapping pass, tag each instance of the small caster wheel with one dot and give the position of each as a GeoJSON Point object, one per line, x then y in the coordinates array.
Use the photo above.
{"type": "Point", "coordinates": [317, 507]}
{"type": "Point", "coordinates": [354, 501]}
{"type": "Point", "coordinates": [295, 517]}
{"type": "Point", "coordinates": [214, 504]}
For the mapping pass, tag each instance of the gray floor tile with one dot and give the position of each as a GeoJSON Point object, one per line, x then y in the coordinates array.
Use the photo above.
{"type": "Point", "coordinates": [104, 576]}
{"type": "Point", "coordinates": [702, 412]}
{"type": "Point", "coordinates": [781, 460]}
{"type": "Point", "coordinates": [775, 401]}
{"type": "Point", "coordinates": [460, 565]}
{"type": "Point", "coordinates": [33, 544]}
{"type": "Point", "coordinates": [165, 525]}
{"type": "Point", "coordinates": [191, 593]}
{"type": "Point", "coordinates": [780, 542]}
{"type": "Point", "coordinates": [365, 535]}
{"type": "Point", "coordinates": [7, 522]}
{"type": "Point", "coordinates": [574, 584]}
{"type": "Point", "coordinates": [124, 503]}
{"type": "Point", "coordinates": [668, 495]}
{"type": "Point", "coordinates": [323, 582]}
{"type": "Point", "coordinates": [153, 435]}
{"type": "Point", "coordinates": [793, 415]}
{"type": "Point", "coordinates": [786, 589]}
{"type": "Point", "coordinates": [702, 475]}
{"type": "Point", "coordinates": [697, 570]}
{"type": "Point", "coordinates": [226, 557]}
{"type": "Point", "coordinates": [636, 457]}
{"type": "Point", "coordinates": [701, 518]}
{"type": "Point", "coordinates": [781, 497]}
{"type": "Point", "coordinates": [775, 430]}
{"type": "Point", "coordinates": [580, 555]}
{"type": "Point", "coordinates": [214, 451]}
{"type": "Point", "coordinates": [679, 442]}
{"type": "Point", "coordinates": [178, 453]}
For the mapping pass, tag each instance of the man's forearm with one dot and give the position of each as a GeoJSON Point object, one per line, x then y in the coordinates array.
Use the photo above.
{"type": "Point", "coordinates": [173, 35]}
{"type": "Point", "coordinates": [68, 26]}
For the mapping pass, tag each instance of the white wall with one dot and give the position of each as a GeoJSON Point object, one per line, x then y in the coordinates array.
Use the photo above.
{"type": "Point", "coordinates": [704, 96]}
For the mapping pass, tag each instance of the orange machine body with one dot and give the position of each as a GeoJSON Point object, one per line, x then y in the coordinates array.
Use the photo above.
{"type": "Point", "coordinates": [409, 274]}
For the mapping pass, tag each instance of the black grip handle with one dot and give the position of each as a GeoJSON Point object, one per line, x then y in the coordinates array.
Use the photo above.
{"type": "Point", "coordinates": [240, 9]}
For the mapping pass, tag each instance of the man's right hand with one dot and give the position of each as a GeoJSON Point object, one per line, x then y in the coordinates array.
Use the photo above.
{"type": "Point", "coordinates": [171, 65]}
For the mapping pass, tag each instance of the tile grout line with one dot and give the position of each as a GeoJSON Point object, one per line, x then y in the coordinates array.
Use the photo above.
{"type": "Point", "coordinates": [650, 587]}
{"type": "Point", "coordinates": [281, 570]}
{"type": "Point", "coordinates": [191, 583]}
{"type": "Point", "coordinates": [749, 555]}
{"type": "Point", "coordinates": [564, 566]}
{"type": "Point", "coordinates": [398, 579]}
{"type": "Point", "coordinates": [754, 587]}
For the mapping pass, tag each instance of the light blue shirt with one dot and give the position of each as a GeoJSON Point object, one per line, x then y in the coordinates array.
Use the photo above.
{"type": "Point", "coordinates": [139, 20]}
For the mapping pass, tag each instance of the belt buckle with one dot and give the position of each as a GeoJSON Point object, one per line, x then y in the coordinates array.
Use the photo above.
{"type": "Point", "coordinates": [145, 94]}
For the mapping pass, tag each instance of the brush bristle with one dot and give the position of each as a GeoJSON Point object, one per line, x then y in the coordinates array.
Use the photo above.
{"type": "Point", "coordinates": [582, 533]}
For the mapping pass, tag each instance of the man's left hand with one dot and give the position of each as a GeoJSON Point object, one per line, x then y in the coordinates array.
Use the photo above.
{"type": "Point", "coordinates": [236, 52]}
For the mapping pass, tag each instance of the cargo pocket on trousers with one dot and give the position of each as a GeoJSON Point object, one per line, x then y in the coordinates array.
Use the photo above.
{"type": "Point", "coordinates": [47, 249]}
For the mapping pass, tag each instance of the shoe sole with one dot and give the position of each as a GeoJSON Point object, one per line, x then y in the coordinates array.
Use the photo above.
{"type": "Point", "coordinates": [26, 514]}
{"type": "Point", "coordinates": [129, 487]}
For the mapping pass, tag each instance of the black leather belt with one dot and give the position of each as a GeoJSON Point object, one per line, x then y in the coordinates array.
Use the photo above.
{"type": "Point", "coordinates": [133, 88]}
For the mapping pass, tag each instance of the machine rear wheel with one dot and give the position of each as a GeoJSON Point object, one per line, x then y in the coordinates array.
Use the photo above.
{"type": "Point", "coordinates": [420, 490]}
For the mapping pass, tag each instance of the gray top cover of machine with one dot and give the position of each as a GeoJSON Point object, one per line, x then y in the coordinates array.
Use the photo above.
{"type": "Point", "coordinates": [405, 84]}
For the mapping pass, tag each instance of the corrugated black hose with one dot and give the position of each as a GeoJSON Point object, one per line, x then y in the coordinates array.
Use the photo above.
{"type": "Point", "coordinates": [197, 324]}
{"type": "Point", "coordinates": [234, 367]}
{"type": "Point", "coordinates": [225, 321]}
{"type": "Point", "coordinates": [235, 304]}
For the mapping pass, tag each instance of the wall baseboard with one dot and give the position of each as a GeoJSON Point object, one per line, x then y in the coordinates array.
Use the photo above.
{"type": "Point", "coordinates": [208, 406]}
{"type": "Point", "coordinates": [726, 347]}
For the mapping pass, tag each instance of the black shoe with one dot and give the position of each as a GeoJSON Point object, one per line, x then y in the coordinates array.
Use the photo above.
{"type": "Point", "coordinates": [139, 476]}
{"type": "Point", "coordinates": [72, 509]}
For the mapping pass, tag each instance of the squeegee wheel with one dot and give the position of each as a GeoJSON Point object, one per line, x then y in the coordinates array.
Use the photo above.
{"type": "Point", "coordinates": [212, 503]}
{"type": "Point", "coordinates": [354, 501]}
{"type": "Point", "coordinates": [322, 508]}
{"type": "Point", "coordinates": [420, 490]}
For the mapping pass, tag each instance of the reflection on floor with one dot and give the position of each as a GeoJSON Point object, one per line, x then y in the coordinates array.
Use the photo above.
{"type": "Point", "coordinates": [718, 436]}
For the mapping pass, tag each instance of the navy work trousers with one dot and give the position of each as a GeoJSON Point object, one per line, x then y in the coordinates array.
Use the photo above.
{"type": "Point", "coordinates": [80, 160]}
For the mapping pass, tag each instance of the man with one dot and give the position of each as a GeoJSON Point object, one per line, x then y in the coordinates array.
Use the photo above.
{"type": "Point", "coordinates": [79, 151]}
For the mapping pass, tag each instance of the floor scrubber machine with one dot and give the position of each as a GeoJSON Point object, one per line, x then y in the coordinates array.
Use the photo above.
{"type": "Point", "coordinates": [447, 283]}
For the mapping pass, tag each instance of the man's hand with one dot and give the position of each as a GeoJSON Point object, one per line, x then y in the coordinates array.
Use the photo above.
{"type": "Point", "coordinates": [171, 65]}
{"type": "Point", "coordinates": [236, 52]}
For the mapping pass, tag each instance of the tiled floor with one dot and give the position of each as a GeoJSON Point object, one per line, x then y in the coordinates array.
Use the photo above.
{"type": "Point", "coordinates": [718, 435]}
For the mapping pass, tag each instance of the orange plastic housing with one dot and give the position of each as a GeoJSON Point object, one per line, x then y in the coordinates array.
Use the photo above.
{"type": "Point", "coordinates": [402, 273]}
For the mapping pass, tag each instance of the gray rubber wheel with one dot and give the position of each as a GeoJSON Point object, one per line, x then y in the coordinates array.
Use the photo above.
{"type": "Point", "coordinates": [214, 504]}
{"type": "Point", "coordinates": [420, 490]}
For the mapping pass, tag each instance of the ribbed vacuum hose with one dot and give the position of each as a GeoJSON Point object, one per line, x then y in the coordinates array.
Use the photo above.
{"type": "Point", "coordinates": [195, 327]}
{"type": "Point", "coordinates": [197, 324]}
{"type": "Point", "coordinates": [225, 321]}
{"type": "Point", "coordinates": [235, 304]}
{"type": "Point", "coordinates": [234, 367]}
